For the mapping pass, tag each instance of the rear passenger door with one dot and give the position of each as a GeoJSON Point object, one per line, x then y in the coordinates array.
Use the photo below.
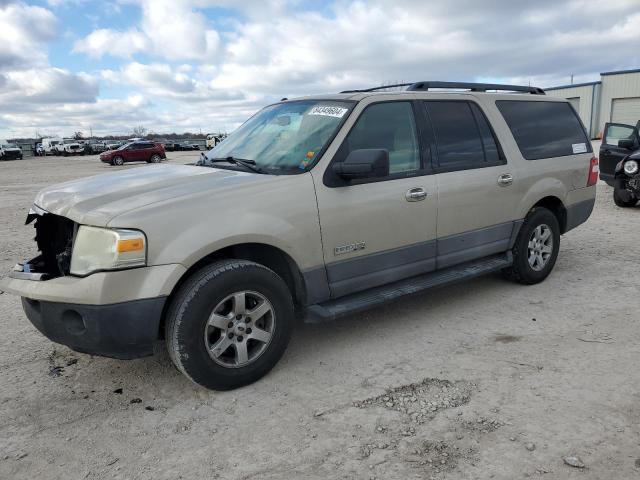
{"type": "Point", "coordinates": [476, 196]}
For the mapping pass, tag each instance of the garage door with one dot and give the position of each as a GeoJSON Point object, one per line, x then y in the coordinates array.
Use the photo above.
{"type": "Point", "coordinates": [575, 103]}
{"type": "Point", "coordinates": [625, 110]}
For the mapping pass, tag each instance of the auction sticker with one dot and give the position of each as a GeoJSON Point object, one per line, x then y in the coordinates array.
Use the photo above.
{"type": "Point", "coordinates": [579, 147]}
{"type": "Point", "coordinates": [328, 111]}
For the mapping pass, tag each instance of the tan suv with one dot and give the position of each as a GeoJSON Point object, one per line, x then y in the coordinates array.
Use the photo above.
{"type": "Point", "coordinates": [317, 208]}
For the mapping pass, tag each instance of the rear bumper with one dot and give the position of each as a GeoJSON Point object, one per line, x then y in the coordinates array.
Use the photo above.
{"type": "Point", "coordinates": [124, 330]}
{"type": "Point", "coordinates": [578, 213]}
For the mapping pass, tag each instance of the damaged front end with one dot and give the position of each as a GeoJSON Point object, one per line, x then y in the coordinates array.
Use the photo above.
{"type": "Point", "coordinates": [54, 237]}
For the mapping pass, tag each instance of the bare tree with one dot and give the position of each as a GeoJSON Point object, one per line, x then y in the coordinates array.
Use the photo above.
{"type": "Point", "coordinates": [139, 131]}
{"type": "Point", "coordinates": [78, 136]}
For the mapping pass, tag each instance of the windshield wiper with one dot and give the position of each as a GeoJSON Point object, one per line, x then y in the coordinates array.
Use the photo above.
{"type": "Point", "coordinates": [250, 164]}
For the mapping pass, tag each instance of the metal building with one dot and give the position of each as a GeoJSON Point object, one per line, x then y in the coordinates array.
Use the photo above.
{"type": "Point", "coordinates": [615, 98]}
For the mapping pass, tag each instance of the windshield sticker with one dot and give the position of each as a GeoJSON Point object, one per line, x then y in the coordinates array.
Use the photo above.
{"type": "Point", "coordinates": [579, 147]}
{"type": "Point", "coordinates": [328, 111]}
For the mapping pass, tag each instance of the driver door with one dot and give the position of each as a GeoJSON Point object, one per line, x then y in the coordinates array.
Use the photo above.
{"type": "Point", "coordinates": [610, 151]}
{"type": "Point", "coordinates": [379, 230]}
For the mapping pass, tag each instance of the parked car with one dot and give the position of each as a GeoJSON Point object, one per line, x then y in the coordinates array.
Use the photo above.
{"type": "Point", "coordinates": [214, 139]}
{"type": "Point", "coordinates": [619, 159]}
{"type": "Point", "coordinates": [69, 146]}
{"type": "Point", "coordinates": [113, 144]}
{"type": "Point", "coordinates": [50, 145]}
{"type": "Point", "coordinates": [10, 151]}
{"type": "Point", "coordinates": [186, 146]}
{"type": "Point", "coordinates": [92, 147]}
{"type": "Point", "coordinates": [149, 152]}
{"type": "Point", "coordinates": [318, 207]}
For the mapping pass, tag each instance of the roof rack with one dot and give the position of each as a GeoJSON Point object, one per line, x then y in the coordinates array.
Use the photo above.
{"type": "Point", "coordinates": [471, 86]}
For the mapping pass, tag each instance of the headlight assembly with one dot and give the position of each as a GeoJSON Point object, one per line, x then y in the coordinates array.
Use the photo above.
{"type": "Point", "coordinates": [96, 249]}
{"type": "Point", "coordinates": [631, 167]}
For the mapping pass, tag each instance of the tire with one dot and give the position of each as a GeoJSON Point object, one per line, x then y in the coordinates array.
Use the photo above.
{"type": "Point", "coordinates": [539, 221]}
{"type": "Point", "coordinates": [623, 198]}
{"type": "Point", "coordinates": [117, 161]}
{"type": "Point", "coordinates": [214, 289]}
{"type": "Point", "coordinates": [155, 158]}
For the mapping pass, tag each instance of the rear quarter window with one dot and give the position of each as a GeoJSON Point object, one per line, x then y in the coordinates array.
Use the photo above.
{"type": "Point", "coordinates": [544, 129]}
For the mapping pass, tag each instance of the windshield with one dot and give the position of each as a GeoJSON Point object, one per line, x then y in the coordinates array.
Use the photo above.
{"type": "Point", "coordinates": [67, 141]}
{"type": "Point", "coordinates": [9, 145]}
{"type": "Point", "coordinates": [125, 146]}
{"type": "Point", "coordinates": [286, 136]}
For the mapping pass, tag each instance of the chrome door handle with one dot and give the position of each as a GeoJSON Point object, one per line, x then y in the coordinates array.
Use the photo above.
{"type": "Point", "coordinates": [506, 179]}
{"type": "Point", "coordinates": [415, 194]}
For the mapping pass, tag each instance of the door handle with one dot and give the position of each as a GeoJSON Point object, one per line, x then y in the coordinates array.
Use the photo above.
{"type": "Point", "coordinates": [505, 180]}
{"type": "Point", "coordinates": [415, 194]}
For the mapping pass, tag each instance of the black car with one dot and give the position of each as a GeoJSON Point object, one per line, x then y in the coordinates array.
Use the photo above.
{"type": "Point", "coordinates": [189, 146]}
{"type": "Point", "coordinates": [619, 162]}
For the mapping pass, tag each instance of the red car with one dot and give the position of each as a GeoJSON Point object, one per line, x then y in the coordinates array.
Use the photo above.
{"type": "Point", "coordinates": [149, 152]}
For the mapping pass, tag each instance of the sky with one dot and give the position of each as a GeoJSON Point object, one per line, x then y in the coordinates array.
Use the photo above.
{"type": "Point", "coordinates": [206, 65]}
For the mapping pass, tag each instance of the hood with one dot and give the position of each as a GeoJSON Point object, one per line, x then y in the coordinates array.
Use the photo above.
{"type": "Point", "coordinates": [12, 149]}
{"type": "Point", "coordinates": [97, 200]}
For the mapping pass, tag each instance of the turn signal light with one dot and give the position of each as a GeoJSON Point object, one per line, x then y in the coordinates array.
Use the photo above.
{"type": "Point", "coordinates": [132, 245]}
{"type": "Point", "coordinates": [593, 172]}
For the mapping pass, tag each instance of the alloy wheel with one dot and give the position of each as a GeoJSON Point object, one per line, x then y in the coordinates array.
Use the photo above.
{"type": "Point", "coordinates": [239, 329]}
{"type": "Point", "coordinates": [540, 247]}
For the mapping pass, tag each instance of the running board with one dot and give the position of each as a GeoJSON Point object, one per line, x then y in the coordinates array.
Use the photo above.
{"type": "Point", "coordinates": [361, 301]}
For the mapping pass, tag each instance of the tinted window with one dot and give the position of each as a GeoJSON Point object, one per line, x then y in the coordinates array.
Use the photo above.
{"type": "Point", "coordinates": [615, 133]}
{"type": "Point", "coordinates": [389, 126]}
{"type": "Point", "coordinates": [492, 153]}
{"type": "Point", "coordinates": [458, 140]}
{"type": "Point", "coordinates": [544, 129]}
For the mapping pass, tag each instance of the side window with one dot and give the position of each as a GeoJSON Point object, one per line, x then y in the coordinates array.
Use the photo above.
{"type": "Point", "coordinates": [492, 154]}
{"type": "Point", "coordinates": [459, 143]}
{"type": "Point", "coordinates": [544, 129]}
{"type": "Point", "coordinates": [615, 133]}
{"type": "Point", "coordinates": [390, 126]}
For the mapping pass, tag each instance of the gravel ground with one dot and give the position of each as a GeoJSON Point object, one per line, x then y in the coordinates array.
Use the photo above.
{"type": "Point", "coordinates": [486, 379]}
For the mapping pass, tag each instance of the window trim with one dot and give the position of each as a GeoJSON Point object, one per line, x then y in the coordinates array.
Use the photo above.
{"type": "Point", "coordinates": [587, 140]}
{"type": "Point", "coordinates": [502, 159]}
{"type": "Point", "coordinates": [329, 179]}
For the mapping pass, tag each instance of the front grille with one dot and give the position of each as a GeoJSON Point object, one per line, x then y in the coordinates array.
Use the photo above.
{"type": "Point", "coordinates": [54, 236]}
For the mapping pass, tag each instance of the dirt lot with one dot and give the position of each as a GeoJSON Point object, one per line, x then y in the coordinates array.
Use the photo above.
{"type": "Point", "coordinates": [487, 379]}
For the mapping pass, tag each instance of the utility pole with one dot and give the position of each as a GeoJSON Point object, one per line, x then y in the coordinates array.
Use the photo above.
{"type": "Point", "coordinates": [572, 79]}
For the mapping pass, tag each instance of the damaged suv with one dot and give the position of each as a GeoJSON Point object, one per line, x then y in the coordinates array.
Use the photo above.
{"type": "Point", "coordinates": [314, 208]}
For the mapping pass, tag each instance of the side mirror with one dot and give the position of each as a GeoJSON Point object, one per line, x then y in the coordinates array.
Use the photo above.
{"type": "Point", "coordinates": [364, 163]}
{"type": "Point", "coordinates": [626, 143]}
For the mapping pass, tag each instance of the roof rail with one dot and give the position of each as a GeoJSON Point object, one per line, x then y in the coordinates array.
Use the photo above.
{"type": "Point", "coordinates": [381, 87]}
{"type": "Point", "coordinates": [476, 87]}
{"type": "Point", "coordinates": [471, 86]}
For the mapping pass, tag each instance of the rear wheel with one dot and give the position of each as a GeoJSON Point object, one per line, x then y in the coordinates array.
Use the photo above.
{"type": "Point", "coordinates": [229, 324]}
{"type": "Point", "coordinates": [155, 158]}
{"type": "Point", "coordinates": [623, 198]}
{"type": "Point", "coordinates": [536, 248]}
{"type": "Point", "coordinates": [118, 161]}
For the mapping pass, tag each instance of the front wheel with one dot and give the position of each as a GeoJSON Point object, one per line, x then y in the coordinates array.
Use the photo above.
{"type": "Point", "coordinates": [536, 248]}
{"type": "Point", "coordinates": [229, 324]}
{"type": "Point", "coordinates": [623, 198]}
{"type": "Point", "coordinates": [118, 161]}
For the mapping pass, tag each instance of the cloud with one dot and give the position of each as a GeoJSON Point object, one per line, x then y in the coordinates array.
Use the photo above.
{"type": "Point", "coordinates": [24, 29]}
{"type": "Point", "coordinates": [46, 86]}
{"type": "Point", "coordinates": [169, 29]}
{"type": "Point", "coordinates": [118, 44]}
{"type": "Point", "coordinates": [212, 63]}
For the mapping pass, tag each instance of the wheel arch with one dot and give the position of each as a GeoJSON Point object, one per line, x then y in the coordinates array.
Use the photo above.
{"type": "Point", "coordinates": [557, 207]}
{"type": "Point", "coordinates": [265, 254]}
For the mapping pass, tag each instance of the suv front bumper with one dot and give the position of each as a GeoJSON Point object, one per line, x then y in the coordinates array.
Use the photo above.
{"type": "Point", "coordinates": [114, 314]}
{"type": "Point", "coordinates": [124, 330]}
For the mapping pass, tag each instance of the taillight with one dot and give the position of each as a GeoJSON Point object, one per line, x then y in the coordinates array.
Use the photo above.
{"type": "Point", "coordinates": [593, 172]}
